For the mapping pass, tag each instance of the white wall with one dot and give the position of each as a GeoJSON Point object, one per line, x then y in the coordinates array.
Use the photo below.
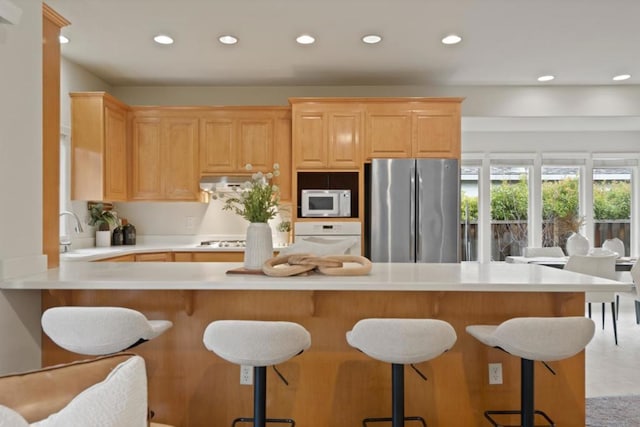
{"type": "Point", "coordinates": [175, 218]}
{"type": "Point", "coordinates": [480, 101]}
{"type": "Point", "coordinates": [74, 78]}
{"type": "Point", "coordinates": [21, 185]}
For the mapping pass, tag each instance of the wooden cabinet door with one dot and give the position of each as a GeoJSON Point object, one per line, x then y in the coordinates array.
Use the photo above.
{"type": "Point", "coordinates": [388, 131]}
{"type": "Point", "coordinates": [310, 138]}
{"type": "Point", "coordinates": [344, 139]}
{"type": "Point", "coordinates": [121, 258]}
{"type": "Point", "coordinates": [179, 166]}
{"type": "Point", "coordinates": [155, 257]}
{"type": "Point", "coordinates": [217, 256]}
{"type": "Point", "coordinates": [146, 159]}
{"type": "Point", "coordinates": [255, 144]}
{"type": "Point", "coordinates": [282, 154]}
{"type": "Point", "coordinates": [436, 135]}
{"type": "Point", "coordinates": [98, 147]}
{"type": "Point", "coordinates": [217, 149]}
{"type": "Point", "coordinates": [115, 147]}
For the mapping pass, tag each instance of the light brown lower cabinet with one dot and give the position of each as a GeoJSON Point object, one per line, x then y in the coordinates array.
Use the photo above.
{"type": "Point", "coordinates": [155, 257]}
{"type": "Point", "coordinates": [178, 257]}
{"type": "Point", "coordinates": [121, 258]}
{"type": "Point", "coordinates": [208, 256]}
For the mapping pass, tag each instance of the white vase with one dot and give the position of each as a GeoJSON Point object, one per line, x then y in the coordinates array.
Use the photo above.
{"type": "Point", "coordinates": [577, 244]}
{"type": "Point", "coordinates": [103, 238]}
{"type": "Point", "coordinates": [259, 246]}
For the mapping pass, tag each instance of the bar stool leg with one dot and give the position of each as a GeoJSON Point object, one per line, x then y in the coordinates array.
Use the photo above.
{"type": "Point", "coordinates": [615, 327]}
{"type": "Point", "coordinates": [526, 393]}
{"type": "Point", "coordinates": [260, 396]}
{"type": "Point", "coordinates": [397, 399]}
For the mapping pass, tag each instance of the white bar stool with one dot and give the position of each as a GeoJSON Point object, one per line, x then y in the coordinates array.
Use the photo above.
{"type": "Point", "coordinates": [258, 344]}
{"type": "Point", "coordinates": [99, 330]}
{"type": "Point", "coordinates": [401, 342]}
{"type": "Point", "coordinates": [534, 338]}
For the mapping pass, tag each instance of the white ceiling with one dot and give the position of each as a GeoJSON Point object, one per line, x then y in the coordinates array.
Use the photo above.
{"type": "Point", "coordinates": [505, 42]}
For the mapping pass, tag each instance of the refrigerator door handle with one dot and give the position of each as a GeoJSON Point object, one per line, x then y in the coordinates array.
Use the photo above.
{"type": "Point", "coordinates": [414, 211]}
{"type": "Point", "coordinates": [412, 215]}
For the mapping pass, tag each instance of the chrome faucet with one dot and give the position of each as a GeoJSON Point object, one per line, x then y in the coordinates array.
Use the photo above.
{"type": "Point", "coordinates": [78, 227]}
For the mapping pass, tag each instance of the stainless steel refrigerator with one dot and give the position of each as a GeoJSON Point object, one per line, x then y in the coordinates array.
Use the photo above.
{"type": "Point", "coordinates": [413, 210]}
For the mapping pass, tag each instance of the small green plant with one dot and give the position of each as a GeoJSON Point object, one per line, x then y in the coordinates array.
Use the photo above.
{"type": "Point", "coordinates": [284, 226]}
{"type": "Point", "coordinates": [100, 218]}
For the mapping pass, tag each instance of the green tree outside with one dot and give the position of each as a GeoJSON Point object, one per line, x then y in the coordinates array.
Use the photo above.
{"type": "Point", "coordinates": [560, 199]}
{"type": "Point", "coordinates": [612, 200]}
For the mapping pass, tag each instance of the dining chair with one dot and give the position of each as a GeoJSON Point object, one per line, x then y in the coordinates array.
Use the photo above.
{"type": "Point", "coordinates": [614, 245]}
{"type": "Point", "coordinates": [600, 266]}
{"type": "Point", "coordinates": [634, 293]}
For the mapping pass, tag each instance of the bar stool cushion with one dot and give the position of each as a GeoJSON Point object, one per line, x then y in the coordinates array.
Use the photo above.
{"type": "Point", "coordinates": [99, 330]}
{"type": "Point", "coordinates": [402, 341]}
{"type": "Point", "coordinates": [256, 343]}
{"type": "Point", "coordinates": [537, 338]}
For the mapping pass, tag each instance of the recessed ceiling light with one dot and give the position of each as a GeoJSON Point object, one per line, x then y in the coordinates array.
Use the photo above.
{"type": "Point", "coordinates": [63, 39]}
{"type": "Point", "coordinates": [546, 78]}
{"type": "Point", "coordinates": [163, 39]}
{"type": "Point", "coordinates": [305, 39]}
{"type": "Point", "coordinates": [371, 39]}
{"type": "Point", "coordinates": [621, 77]}
{"type": "Point", "coordinates": [452, 39]}
{"type": "Point", "coordinates": [228, 39]}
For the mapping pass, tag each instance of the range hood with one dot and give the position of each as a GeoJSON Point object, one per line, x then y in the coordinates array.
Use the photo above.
{"type": "Point", "coordinates": [222, 184]}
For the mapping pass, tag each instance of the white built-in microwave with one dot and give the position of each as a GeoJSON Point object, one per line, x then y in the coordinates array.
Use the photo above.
{"type": "Point", "coordinates": [326, 203]}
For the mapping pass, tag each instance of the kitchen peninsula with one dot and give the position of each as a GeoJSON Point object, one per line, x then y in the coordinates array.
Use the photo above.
{"type": "Point", "coordinates": [331, 384]}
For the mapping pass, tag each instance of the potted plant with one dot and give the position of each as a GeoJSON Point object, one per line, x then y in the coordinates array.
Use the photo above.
{"type": "Point", "coordinates": [283, 229]}
{"type": "Point", "coordinates": [102, 219]}
{"type": "Point", "coordinates": [257, 201]}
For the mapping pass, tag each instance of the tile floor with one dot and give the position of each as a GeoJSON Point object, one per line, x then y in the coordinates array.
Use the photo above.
{"type": "Point", "coordinates": [613, 370]}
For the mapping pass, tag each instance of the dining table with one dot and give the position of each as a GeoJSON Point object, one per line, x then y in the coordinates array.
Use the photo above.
{"type": "Point", "coordinates": [622, 263]}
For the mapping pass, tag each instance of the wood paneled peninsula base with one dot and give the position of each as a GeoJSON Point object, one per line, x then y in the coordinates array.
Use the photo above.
{"type": "Point", "coordinates": [332, 384]}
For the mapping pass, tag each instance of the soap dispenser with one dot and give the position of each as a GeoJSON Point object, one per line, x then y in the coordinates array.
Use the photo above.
{"type": "Point", "coordinates": [129, 231]}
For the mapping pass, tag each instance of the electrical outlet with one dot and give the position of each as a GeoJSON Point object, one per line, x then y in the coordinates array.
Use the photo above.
{"type": "Point", "coordinates": [495, 373]}
{"type": "Point", "coordinates": [189, 222]}
{"type": "Point", "coordinates": [246, 375]}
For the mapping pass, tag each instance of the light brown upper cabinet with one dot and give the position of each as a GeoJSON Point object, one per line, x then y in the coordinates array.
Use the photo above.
{"type": "Point", "coordinates": [282, 153]}
{"type": "Point", "coordinates": [326, 135]}
{"type": "Point", "coordinates": [98, 147]}
{"type": "Point", "coordinates": [232, 138]}
{"type": "Point", "coordinates": [429, 127]}
{"type": "Point", "coordinates": [164, 156]}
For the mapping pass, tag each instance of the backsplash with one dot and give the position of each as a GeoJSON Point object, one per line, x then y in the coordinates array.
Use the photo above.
{"type": "Point", "coordinates": [170, 219]}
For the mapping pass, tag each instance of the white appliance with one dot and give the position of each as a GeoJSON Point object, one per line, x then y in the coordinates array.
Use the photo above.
{"type": "Point", "coordinates": [326, 203]}
{"type": "Point", "coordinates": [330, 233]}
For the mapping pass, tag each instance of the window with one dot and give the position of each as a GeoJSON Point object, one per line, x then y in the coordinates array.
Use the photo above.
{"type": "Point", "coordinates": [560, 204]}
{"type": "Point", "coordinates": [66, 228]}
{"type": "Point", "coordinates": [469, 178]}
{"type": "Point", "coordinates": [509, 210]}
{"type": "Point", "coordinates": [539, 199]}
{"type": "Point", "coordinates": [612, 205]}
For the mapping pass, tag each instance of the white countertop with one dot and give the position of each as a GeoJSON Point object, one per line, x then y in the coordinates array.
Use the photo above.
{"type": "Point", "coordinates": [94, 253]}
{"type": "Point", "coordinates": [466, 276]}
